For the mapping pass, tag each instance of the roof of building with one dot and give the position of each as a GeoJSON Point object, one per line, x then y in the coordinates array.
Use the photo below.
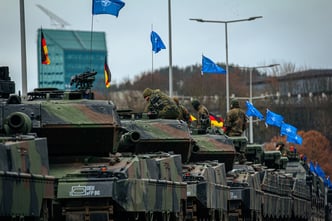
{"type": "Point", "coordinates": [76, 40]}
{"type": "Point", "coordinates": [299, 75]}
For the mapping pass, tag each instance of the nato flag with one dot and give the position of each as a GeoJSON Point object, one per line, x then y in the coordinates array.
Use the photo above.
{"type": "Point", "coordinates": [287, 129]}
{"type": "Point", "coordinates": [111, 7]}
{"type": "Point", "coordinates": [252, 111]}
{"type": "Point", "coordinates": [157, 43]}
{"type": "Point", "coordinates": [273, 119]}
{"type": "Point", "coordinates": [294, 139]}
{"type": "Point", "coordinates": [209, 67]}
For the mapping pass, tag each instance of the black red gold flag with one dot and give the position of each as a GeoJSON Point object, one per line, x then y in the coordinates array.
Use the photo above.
{"type": "Point", "coordinates": [107, 74]}
{"type": "Point", "coordinates": [44, 51]}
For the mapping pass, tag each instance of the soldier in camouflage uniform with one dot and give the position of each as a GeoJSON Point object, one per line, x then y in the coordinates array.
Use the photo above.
{"type": "Point", "coordinates": [203, 121]}
{"type": "Point", "coordinates": [236, 120]}
{"type": "Point", "coordinates": [160, 105]}
{"type": "Point", "coordinates": [184, 113]}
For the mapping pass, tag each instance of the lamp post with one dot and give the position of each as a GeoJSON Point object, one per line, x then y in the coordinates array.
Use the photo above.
{"type": "Point", "coordinates": [251, 129]}
{"type": "Point", "coordinates": [226, 40]}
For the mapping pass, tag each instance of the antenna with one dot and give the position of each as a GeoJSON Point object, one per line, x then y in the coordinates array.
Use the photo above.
{"type": "Point", "coordinates": [55, 20]}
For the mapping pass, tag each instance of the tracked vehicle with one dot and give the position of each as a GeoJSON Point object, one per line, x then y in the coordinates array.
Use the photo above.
{"type": "Point", "coordinates": [204, 161]}
{"type": "Point", "coordinates": [26, 186]}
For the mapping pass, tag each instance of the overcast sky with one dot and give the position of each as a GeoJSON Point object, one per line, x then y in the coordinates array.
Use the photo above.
{"type": "Point", "coordinates": [291, 31]}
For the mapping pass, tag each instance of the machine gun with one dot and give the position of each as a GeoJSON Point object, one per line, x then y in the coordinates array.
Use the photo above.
{"type": "Point", "coordinates": [83, 81]}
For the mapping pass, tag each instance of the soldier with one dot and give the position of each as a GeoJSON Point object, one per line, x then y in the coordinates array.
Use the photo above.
{"type": "Point", "coordinates": [160, 105]}
{"type": "Point", "coordinates": [236, 120]}
{"type": "Point", "coordinates": [280, 146]}
{"type": "Point", "coordinates": [203, 121]}
{"type": "Point", "coordinates": [184, 113]}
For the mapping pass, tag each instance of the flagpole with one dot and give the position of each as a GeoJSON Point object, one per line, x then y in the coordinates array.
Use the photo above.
{"type": "Point", "coordinates": [170, 49]}
{"type": "Point", "coordinates": [151, 59]}
{"type": "Point", "coordinates": [23, 49]}
{"type": "Point", "coordinates": [91, 35]}
{"type": "Point", "coordinates": [40, 59]}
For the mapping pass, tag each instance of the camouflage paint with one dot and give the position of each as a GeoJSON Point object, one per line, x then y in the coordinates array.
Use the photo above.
{"type": "Point", "coordinates": [214, 147]}
{"type": "Point", "coordinates": [147, 182]}
{"type": "Point", "coordinates": [24, 180]}
{"type": "Point", "coordinates": [159, 135]}
{"type": "Point", "coordinates": [207, 184]}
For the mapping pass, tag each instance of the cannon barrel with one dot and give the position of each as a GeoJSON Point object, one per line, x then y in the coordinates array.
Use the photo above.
{"type": "Point", "coordinates": [130, 138]}
{"type": "Point", "coordinates": [17, 123]}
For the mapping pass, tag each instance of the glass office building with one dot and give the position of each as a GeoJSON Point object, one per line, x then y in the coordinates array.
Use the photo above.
{"type": "Point", "coordinates": [71, 52]}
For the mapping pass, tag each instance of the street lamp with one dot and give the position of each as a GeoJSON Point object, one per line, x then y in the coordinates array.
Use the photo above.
{"type": "Point", "coordinates": [226, 22]}
{"type": "Point", "coordinates": [251, 129]}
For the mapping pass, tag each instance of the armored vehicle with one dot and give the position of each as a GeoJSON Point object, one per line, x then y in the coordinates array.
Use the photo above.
{"type": "Point", "coordinates": [26, 187]}
{"type": "Point", "coordinates": [204, 161]}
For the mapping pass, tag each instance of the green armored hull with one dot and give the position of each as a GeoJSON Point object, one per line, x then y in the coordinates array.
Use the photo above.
{"type": "Point", "coordinates": [26, 188]}
{"type": "Point", "coordinates": [123, 186]}
{"type": "Point", "coordinates": [207, 190]}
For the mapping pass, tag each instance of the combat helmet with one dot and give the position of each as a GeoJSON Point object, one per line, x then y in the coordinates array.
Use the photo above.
{"type": "Point", "coordinates": [147, 92]}
{"type": "Point", "coordinates": [195, 104]}
{"type": "Point", "coordinates": [235, 104]}
{"type": "Point", "coordinates": [176, 100]}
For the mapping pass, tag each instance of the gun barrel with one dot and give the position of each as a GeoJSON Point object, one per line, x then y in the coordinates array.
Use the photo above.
{"type": "Point", "coordinates": [17, 122]}
{"type": "Point", "coordinates": [130, 137]}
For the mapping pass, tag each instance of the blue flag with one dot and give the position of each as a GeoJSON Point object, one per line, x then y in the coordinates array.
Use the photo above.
{"type": "Point", "coordinates": [252, 111]}
{"type": "Point", "coordinates": [312, 167]}
{"type": "Point", "coordinates": [329, 184]}
{"type": "Point", "coordinates": [287, 129]}
{"type": "Point", "coordinates": [209, 67]}
{"type": "Point", "coordinates": [157, 43]}
{"type": "Point", "coordinates": [319, 171]}
{"type": "Point", "coordinates": [273, 119]}
{"type": "Point", "coordinates": [111, 7]}
{"type": "Point", "coordinates": [294, 139]}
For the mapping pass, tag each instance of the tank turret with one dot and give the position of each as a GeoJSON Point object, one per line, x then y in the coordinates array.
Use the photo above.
{"type": "Point", "coordinates": [214, 147]}
{"type": "Point", "coordinates": [158, 135]}
{"type": "Point", "coordinates": [64, 116]}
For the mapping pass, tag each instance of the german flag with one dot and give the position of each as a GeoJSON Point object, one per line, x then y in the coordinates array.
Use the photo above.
{"type": "Point", "coordinates": [107, 74]}
{"type": "Point", "coordinates": [44, 51]}
{"type": "Point", "coordinates": [216, 121]}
